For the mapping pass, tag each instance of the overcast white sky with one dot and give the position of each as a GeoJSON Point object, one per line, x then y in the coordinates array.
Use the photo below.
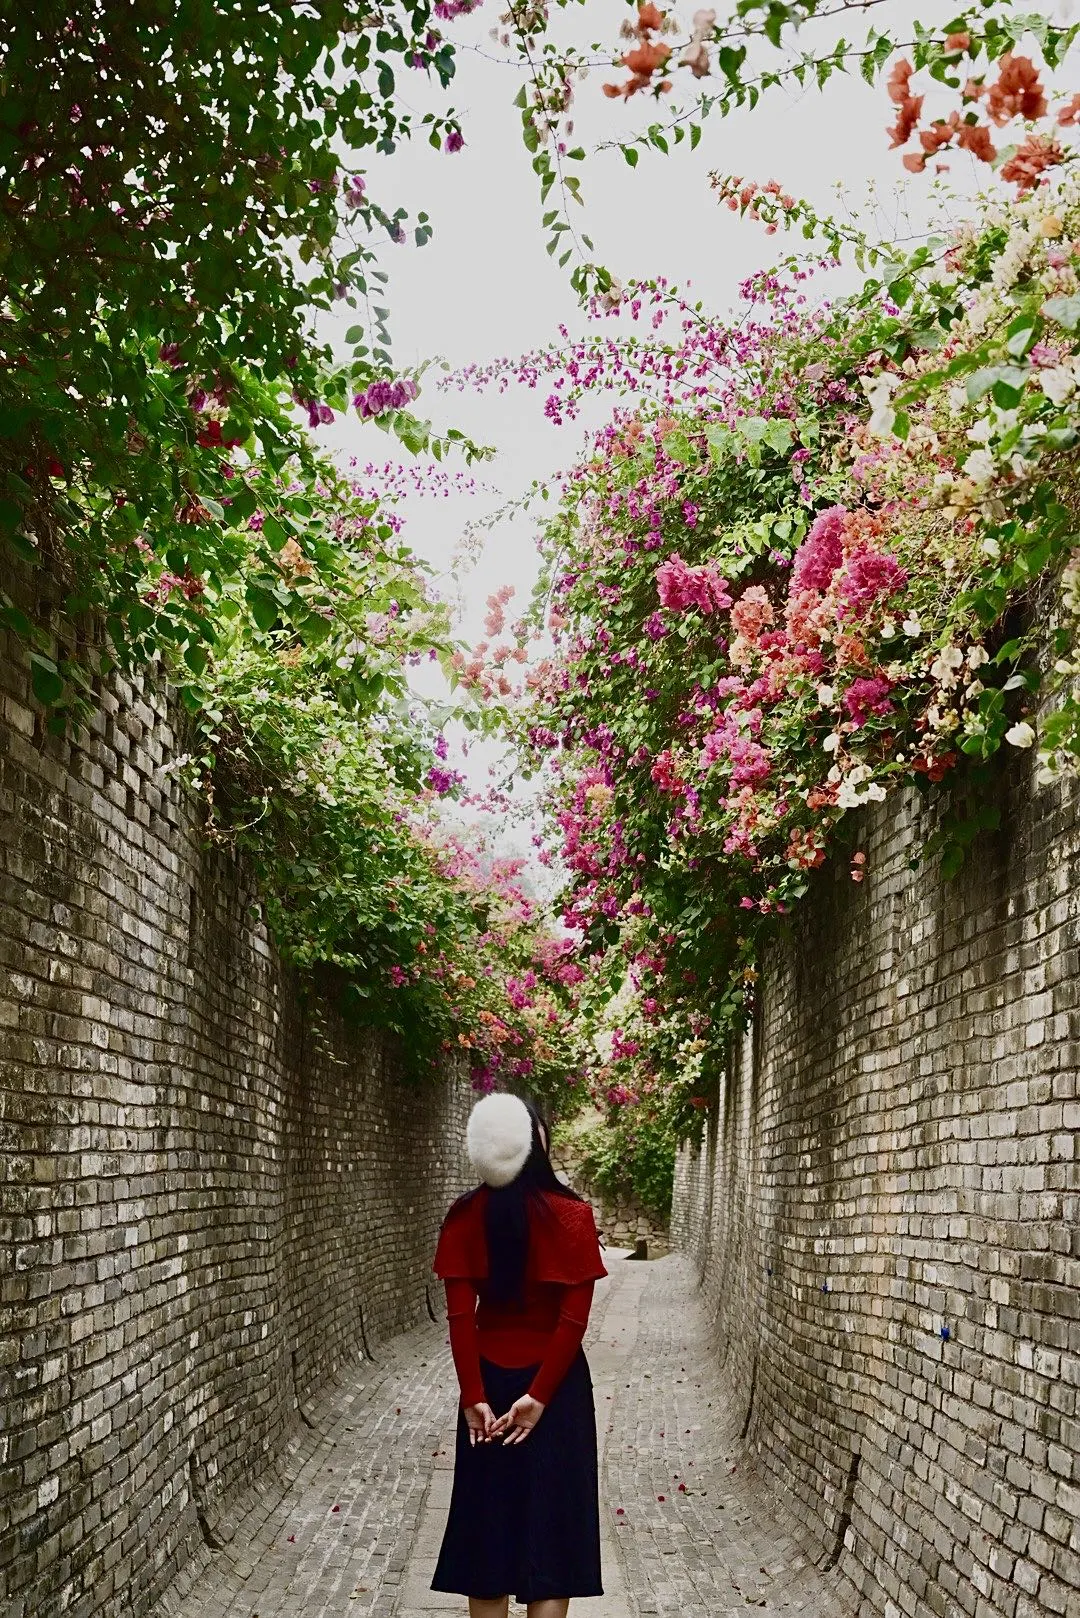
{"type": "Point", "coordinates": [484, 286]}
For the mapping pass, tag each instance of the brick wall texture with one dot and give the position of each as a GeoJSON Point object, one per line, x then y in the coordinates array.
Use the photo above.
{"type": "Point", "coordinates": [620, 1218]}
{"type": "Point", "coordinates": [886, 1216]}
{"type": "Point", "coordinates": [212, 1193]}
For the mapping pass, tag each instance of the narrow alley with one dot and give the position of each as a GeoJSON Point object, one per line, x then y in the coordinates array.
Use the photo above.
{"type": "Point", "coordinates": [686, 1531]}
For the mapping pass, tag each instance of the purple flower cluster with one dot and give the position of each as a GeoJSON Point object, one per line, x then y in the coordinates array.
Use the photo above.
{"type": "Point", "coordinates": [379, 397]}
{"type": "Point", "coordinates": [443, 781]}
{"type": "Point", "coordinates": [318, 415]}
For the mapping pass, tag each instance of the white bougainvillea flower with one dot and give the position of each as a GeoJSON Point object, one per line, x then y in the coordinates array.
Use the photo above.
{"type": "Point", "coordinates": [857, 789]}
{"type": "Point", "coordinates": [1021, 735]}
{"type": "Point", "coordinates": [879, 392]}
{"type": "Point", "coordinates": [1058, 382]}
{"type": "Point", "coordinates": [979, 466]}
{"type": "Point", "coordinates": [943, 668]}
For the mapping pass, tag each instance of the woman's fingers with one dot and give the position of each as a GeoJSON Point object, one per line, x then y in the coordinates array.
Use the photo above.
{"type": "Point", "coordinates": [480, 1420]}
{"type": "Point", "coordinates": [511, 1428]}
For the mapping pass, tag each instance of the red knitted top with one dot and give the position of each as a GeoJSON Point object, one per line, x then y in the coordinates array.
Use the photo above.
{"type": "Point", "coordinates": [546, 1329]}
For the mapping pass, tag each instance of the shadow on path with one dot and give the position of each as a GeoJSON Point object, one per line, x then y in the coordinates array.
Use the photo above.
{"type": "Point", "coordinates": [356, 1531]}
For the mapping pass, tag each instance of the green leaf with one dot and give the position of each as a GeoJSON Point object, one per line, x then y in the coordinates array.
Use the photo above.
{"type": "Point", "coordinates": [11, 515]}
{"type": "Point", "coordinates": [719, 439]}
{"type": "Point", "coordinates": [677, 447]}
{"type": "Point", "coordinates": [753, 428]}
{"type": "Point", "coordinates": [274, 533]}
{"type": "Point", "coordinates": [23, 546]}
{"type": "Point", "coordinates": [1010, 377]}
{"type": "Point", "coordinates": [779, 435]}
{"type": "Point", "coordinates": [1022, 335]}
{"type": "Point", "coordinates": [265, 608]}
{"type": "Point", "coordinates": [46, 679]}
{"type": "Point", "coordinates": [1064, 311]}
{"type": "Point", "coordinates": [16, 621]}
{"type": "Point", "coordinates": [951, 860]}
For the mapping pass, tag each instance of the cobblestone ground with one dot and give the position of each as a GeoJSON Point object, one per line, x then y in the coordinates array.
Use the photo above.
{"type": "Point", "coordinates": [357, 1529]}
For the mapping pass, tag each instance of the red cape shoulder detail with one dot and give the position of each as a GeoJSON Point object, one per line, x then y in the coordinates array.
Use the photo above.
{"type": "Point", "coordinates": [563, 1245]}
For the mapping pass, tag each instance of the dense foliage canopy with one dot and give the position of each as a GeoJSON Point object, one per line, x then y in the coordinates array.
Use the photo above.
{"type": "Point", "coordinates": [752, 637]}
{"type": "Point", "coordinates": [804, 577]}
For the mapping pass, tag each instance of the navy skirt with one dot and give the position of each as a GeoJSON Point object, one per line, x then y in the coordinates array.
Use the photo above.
{"type": "Point", "coordinates": [525, 1518]}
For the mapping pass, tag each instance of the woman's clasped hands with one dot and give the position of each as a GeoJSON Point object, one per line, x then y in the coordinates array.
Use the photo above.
{"type": "Point", "coordinates": [512, 1428]}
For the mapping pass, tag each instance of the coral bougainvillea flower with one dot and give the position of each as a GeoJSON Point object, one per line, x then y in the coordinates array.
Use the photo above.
{"type": "Point", "coordinates": [1032, 158]}
{"type": "Point", "coordinates": [1017, 92]}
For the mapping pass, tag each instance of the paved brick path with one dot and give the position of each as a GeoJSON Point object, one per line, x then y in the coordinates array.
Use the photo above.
{"type": "Point", "coordinates": [356, 1532]}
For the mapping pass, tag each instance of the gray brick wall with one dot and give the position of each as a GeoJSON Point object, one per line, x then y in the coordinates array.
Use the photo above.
{"type": "Point", "coordinates": [212, 1193]}
{"type": "Point", "coordinates": [620, 1218]}
{"type": "Point", "coordinates": [893, 1157]}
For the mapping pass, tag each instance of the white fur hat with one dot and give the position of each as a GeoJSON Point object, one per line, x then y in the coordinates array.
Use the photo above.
{"type": "Point", "coordinates": [498, 1138]}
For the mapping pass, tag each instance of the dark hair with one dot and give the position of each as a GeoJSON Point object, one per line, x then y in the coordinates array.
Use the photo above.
{"type": "Point", "coordinates": [506, 1214]}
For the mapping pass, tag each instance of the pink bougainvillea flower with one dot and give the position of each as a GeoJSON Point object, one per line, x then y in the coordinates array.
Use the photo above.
{"type": "Point", "coordinates": [1032, 157]}
{"type": "Point", "coordinates": [866, 697]}
{"type": "Point", "coordinates": [869, 576]}
{"type": "Point", "coordinates": [821, 552]}
{"type": "Point", "coordinates": [665, 773]}
{"type": "Point", "coordinates": [1017, 92]}
{"type": "Point", "coordinates": [681, 586]}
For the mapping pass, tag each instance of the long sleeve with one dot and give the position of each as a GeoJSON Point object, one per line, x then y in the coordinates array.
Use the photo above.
{"type": "Point", "coordinates": [461, 1298]}
{"type": "Point", "coordinates": [565, 1341]}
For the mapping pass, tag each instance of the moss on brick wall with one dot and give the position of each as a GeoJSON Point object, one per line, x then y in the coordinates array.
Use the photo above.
{"type": "Point", "coordinates": [212, 1194]}
{"type": "Point", "coordinates": [886, 1213]}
